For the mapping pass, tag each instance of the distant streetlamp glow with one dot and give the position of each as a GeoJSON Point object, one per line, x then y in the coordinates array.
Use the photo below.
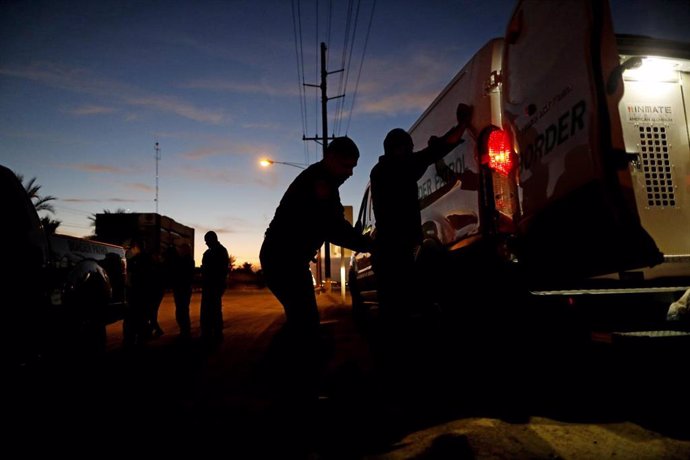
{"type": "Point", "coordinates": [265, 162]}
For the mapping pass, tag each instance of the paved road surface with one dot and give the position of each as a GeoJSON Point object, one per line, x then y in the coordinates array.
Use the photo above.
{"type": "Point", "coordinates": [432, 401]}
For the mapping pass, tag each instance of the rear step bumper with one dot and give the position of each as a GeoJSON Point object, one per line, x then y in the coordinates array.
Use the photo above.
{"type": "Point", "coordinates": [635, 336]}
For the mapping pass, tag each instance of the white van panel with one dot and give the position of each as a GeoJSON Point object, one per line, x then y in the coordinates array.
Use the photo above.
{"type": "Point", "coordinates": [578, 212]}
{"type": "Point", "coordinates": [450, 208]}
{"type": "Point", "coordinates": [655, 128]}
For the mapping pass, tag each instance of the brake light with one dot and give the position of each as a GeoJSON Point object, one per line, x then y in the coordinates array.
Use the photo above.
{"type": "Point", "coordinates": [501, 161]}
{"type": "Point", "coordinates": [500, 152]}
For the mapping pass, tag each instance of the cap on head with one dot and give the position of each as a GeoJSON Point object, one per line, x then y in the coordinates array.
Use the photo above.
{"type": "Point", "coordinates": [343, 146]}
{"type": "Point", "coordinates": [396, 140]}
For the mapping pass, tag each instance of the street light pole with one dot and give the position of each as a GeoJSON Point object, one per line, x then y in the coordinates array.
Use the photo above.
{"type": "Point", "coordinates": [267, 162]}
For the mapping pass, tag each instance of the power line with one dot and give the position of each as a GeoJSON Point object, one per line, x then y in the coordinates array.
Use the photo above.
{"type": "Point", "coordinates": [299, 56]}
{"type": "Point", "coordinates": [361, 65]}
{"type": "Point", "coordinates": [347, 53]}
{"type": "Point", "coordinates": [348, 46]}
{"type": "Point", "coordinates": [353, 12]}
{"type": "Point", "coordinates": [73, 210]}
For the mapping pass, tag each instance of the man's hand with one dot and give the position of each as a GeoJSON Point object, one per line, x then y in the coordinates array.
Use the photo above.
{"type": "Point", "coordinates": [464, 114]}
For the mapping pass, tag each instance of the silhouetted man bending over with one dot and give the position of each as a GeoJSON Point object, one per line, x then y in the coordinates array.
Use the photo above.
{"type": "Point", "coordinates": [309, 214]}
{"type": "Point", "coordinates": [396, 208]}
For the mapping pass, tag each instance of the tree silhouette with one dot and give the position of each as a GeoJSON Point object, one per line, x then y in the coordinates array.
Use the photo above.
{"type": "Point", "coordinates": [246, 267]}
{"type": "Point", "coordinates": [50, 225]}
{"type": "Point", "coordinates": [41, 203]}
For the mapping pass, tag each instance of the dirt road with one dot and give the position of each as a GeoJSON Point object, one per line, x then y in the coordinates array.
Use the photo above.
{"type": "Point", "coordinates": [173, 397]}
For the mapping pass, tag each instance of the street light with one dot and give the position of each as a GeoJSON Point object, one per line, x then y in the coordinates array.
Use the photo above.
{"type": "Point", "coordinates": [265, 162]}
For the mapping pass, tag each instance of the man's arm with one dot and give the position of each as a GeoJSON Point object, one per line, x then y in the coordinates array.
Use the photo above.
{"type": "Point", "coordinates": [342, 233]}
{"type": "Point", "coordinates": [438, 147]}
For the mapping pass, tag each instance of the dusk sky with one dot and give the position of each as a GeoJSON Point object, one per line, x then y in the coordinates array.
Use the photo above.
{"type": "Point", "coordinates": [88, 87]}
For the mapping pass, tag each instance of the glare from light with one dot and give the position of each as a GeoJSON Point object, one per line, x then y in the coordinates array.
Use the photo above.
{"type": "Point", "coordinates": [653, 70]}
{"type": "Point", "coordinates": [265, 162]}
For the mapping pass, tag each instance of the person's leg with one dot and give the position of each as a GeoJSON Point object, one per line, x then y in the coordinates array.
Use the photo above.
{"type": "Point", "coordinates": [218, 316]}
{"type": "Point", "coordinates": [391, 268]}
{"type": "Point", "coordinates": [155, 307]}
{"type": "Point", "coordinates": [294, 289]}
{"type": "Point", "coordinates": [205, 314]}
{"type": "Point", "coordinates": [182, 300]}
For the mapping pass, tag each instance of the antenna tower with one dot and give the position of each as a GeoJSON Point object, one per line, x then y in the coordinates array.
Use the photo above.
{"type": "Point", "coordinates": [157, 149]}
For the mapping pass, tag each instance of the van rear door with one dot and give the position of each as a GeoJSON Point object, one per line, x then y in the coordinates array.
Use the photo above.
{"type": "Point", "coordinates": [561, 88]}
{"type": "Point", "coordinates": [655, 128]}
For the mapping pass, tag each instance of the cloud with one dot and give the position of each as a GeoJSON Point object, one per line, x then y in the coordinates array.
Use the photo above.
{"type": "Point", "coordinates": [202, 229]}
{"type": "Point", "coordinates": [203, 152]}
{"type": "Point", "coordinates": [141, 187]}
{"type": "Point", "coordinates": [241, 87]}
{"type": "Point", "coordinates": [228, 225]}
{"type": "Point", "coordinates": [101, 200]}
{"type": "Point", "coordinates": [98, 168]}
{"type": "Point", "coordinates": [63, 77]}
{"type": "Point", "coordinates": [183, 109]}
{"type": "Point", "coordinates": [228, 150]}
{"type": "Point", "coordinates": [272, 126]}
{"type": "Point", "coordinates": [395, 104]}
{"type": "Point", "coordinates": [404, 83]}
{"type": "Point", "coordinates": [89, 110]}
{"type": "Point", "coordinates": [85, 82]}
{"type": "Point", "coordinates": [211, 49]}
{"type": "Point", "coordinates": [225, 176]}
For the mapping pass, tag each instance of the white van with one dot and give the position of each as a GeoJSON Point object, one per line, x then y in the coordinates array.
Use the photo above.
{"type": "Point", "coordinates": [574, 181]}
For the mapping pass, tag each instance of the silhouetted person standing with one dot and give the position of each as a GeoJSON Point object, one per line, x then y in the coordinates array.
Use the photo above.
{"type": "Point", "coordinates": [396, 209]}
{"type": "Point", "coordinates": [214, 272]}
{"type": "Point", "coordinates": [181, 266]}
{"type": "Point", "coordinates": [156, 291]}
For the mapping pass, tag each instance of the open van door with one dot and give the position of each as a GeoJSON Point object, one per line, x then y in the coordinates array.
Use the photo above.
{"type": "Point", "coordinates": [561, 88]}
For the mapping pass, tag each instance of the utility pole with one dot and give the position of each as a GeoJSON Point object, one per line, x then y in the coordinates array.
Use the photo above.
{"type": "Point", "coordinates": [157, 150]}
{"type": "Point", "coordinates": [324, 143]}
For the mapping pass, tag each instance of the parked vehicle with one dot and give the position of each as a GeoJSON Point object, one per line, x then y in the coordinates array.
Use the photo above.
{"type": "Point", "coordinates": [61, 291]}
{"type": "Point", "coordinates": [572, 186]}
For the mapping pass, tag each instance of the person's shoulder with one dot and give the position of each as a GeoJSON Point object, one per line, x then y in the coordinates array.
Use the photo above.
{"type": "Point", "coordinates": [306, 178]}
{"type": "Point", "coordinates": [381, 164]}
{"type": "Point", "coordinates": [387, 165]}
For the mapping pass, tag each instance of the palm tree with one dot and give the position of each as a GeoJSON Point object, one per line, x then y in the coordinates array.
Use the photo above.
{"type": "Point", "coordinates": [41, 203]}
{"type": "Point", "coordinates": [50, 225]}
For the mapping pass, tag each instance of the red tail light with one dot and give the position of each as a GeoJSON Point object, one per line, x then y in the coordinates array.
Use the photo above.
{"type": "Point", "coordinates": [501, 160]}
{"type": "Point", "coordinates": [500, 152]}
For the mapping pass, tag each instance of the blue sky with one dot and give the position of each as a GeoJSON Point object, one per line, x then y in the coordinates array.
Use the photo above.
{"type": "Point", "coordinates": [87, 88]}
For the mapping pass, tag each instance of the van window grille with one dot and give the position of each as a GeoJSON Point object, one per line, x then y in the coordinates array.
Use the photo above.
{"type": "Point", "coordinates": [656, 164]}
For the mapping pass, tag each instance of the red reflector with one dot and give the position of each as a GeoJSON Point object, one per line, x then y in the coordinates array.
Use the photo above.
{"type": "Point", "coordinates": [500, 152]}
